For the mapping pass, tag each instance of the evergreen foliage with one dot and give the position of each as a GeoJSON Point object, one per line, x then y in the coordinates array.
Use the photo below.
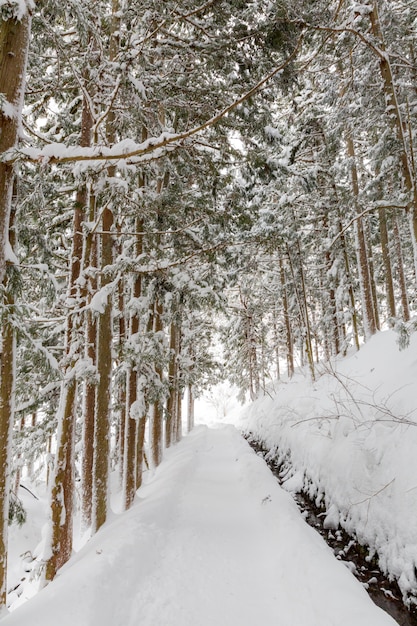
{"type": "Point", "coordinates": [288, 228]}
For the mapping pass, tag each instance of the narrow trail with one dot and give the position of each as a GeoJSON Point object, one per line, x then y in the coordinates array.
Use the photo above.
{"type": "Point", "coordinates": [211, 541]}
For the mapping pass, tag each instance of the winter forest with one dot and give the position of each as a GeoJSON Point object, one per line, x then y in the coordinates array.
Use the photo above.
{"type": "Point", "coordinates": [190, 192]}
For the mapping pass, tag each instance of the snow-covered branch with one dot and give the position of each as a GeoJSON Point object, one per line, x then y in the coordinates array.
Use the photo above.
{"type": "Point", "coordinates": [129, 151]}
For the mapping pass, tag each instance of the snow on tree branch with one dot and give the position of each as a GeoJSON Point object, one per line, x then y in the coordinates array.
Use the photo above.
{"type": "Point", "coordinates": [128, 150]}
{"type": "Point", "coordinates": [15, 9]}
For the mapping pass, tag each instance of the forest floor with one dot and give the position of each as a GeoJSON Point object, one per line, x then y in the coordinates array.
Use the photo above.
{"type": "Point", "coordinates": [211, 540]}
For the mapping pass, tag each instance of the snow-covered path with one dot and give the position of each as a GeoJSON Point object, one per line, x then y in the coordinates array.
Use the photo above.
{"type": "Point", "coordinates": [211, 541]}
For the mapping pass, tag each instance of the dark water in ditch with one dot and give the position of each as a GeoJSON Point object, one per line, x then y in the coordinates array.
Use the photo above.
{"type": "Point", "coordinates": [385, 593]}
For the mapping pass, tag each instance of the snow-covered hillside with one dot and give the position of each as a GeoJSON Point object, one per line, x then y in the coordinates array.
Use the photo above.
{"type": "Point", "coordinates": [349, 438]}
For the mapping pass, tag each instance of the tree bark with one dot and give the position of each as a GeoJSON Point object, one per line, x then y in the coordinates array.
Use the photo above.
{"type": "Point", "coordinates": [62, 492]}
{"type": "Point", "coordinates": [14, 46]}
{"type": "Point", "coordinates": [190, 408]}
{"type": "Point", "coordinates": [101, 462]}
{"type": "Point", "coordinates": [386, 260]}
{"type": "Point", "coordinates": [156, 430]}
{"type": "Point", "coordinates": [90, 261]}
{"type": "Point", "coordinates": [170, 423]}
{"type": "Point", "coordinates": [368, 313]}
{"type": "Point", "coordinates": [287, 322]}
{"type": "Point", "coordinates": [397, 123]}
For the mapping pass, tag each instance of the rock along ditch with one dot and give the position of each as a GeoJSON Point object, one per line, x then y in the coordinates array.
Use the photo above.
{"type": "Point", "coordinates": [384, 592]}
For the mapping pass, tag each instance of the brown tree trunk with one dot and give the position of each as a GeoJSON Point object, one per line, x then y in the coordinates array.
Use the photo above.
{"type": "Point", "coordinates": [14, 45]}
{"type": "Point", "coordinates": [7, 381]}
{"type": "Point", "coordinates": [397, 123]}
{"type": "Point", "coordinates": [178, 429]}
{"type": "Point", "coordinates": [156, 426]}
{"type": "Point", "coordinates": [103, 390]}
{"type": "Point", "coordinates": [101, 461]}
{"type": "Point", "coordinates": [63, 483]}
{"type": "Point", "coordinates": [386, 260]}
{"type": "Point", "coordinates": [400, 269]}
{"type": "Point", "coordinates": [140, 446]}
{"type": "Point", "coordinates": [287, 321]}
{"type": "Point", "coordinates": [302, 300]}
{"type": "Point", "coordinates": [170, 423]}
{"type": "Point", "coordinates": [190, 408]}
{"type": "Point", "coordinates": [90, 261]}
{"type": "Point", "coordinates": [368, 313]}
{"type": "Point", "coordinates": [134, 421]}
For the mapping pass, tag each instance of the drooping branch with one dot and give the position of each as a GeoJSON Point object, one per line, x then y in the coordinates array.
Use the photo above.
{"type": "Point", "coordinates": [130, 152]}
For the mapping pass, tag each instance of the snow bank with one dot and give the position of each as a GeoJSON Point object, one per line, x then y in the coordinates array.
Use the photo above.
{"type": "Point", "coordinates": [350, 440]}
{"type": "Point", "coordinates": [211, 539]}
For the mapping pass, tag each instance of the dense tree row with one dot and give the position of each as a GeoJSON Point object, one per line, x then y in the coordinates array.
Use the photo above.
{"type": "Point", "coordinates": [174, 165]}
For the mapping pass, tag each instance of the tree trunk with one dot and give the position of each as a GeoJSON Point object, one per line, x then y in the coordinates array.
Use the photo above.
{"type": "Point", "coordinates": [7, 382]}
{"type": "Point", "coordinates": [178, 429]}
{"type": "Point", "coordinates": [134, 420]}
{"type": "Point", "coordinates": [63, 483]}
{"type": "Point", "coordinates": [14, 45]}
{"type": "Point", "coordinates": [397, 123]}
{"type": "Point", "coordinates": [103, 390]}
{"type": "Point", "coordinates": [156, 429]}
{"type": "Point", "coordinates": [400, 269]}
{"type": "Point", "coordinates": [368, 313]}
{"type": "Point", "coordinates": [101, 461]}
{"type": "Point", "coordinates": [170, 422]}
{"type": "Point", "coordinates": [90, 261]}
{"type": "Point", "coordinates": [287, 321]}
{"type": "Point", "coordinates": [190, 408]}
{"type": "Point", "coordinates": [386, 260]}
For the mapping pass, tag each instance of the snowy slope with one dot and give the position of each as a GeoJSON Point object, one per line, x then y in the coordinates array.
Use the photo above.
{"type": "Point", "coordinates": [212, 540]}
{"type": "Point", "coordinates": [350, 439]}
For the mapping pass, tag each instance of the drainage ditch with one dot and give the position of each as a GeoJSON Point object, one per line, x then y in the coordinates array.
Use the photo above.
{"type": "Point", "coordinates": [384, 592]}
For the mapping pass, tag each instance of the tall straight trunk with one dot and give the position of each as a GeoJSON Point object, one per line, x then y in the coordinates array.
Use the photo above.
{"type": "Point", "coordinates": [62, 492]}
{"type": "Point", "coordinates": [397, 123]}
{"type": "Point", "coordinates": [140, 449]}
{"type": "Point", "coordinates": [276, 340]}
{"type": "Point", "coordinates": [178, 416]}
{"type": "Point", "coordinates": [302, 300]}
{"type": "Point", "coordinates": [63, 484]}
{"type": "Point", "coordinates": [386, 260]}
{"type": "Point", "coordinates": [333, 336]}
{"type": "Point", "coordinates": [178, 427]}
{"type": "Point", "coordinates": [190, 408]}
{"type": "Point", "coordinates": [287, 320]}
{"type": "Point", "coordinates": [371, 264]}
{"type": "Point", "coordinates": [90, 261]}
{"type": "Point", "coordinates": [103, 389]}
{"type": "Point", "coordinates": [130, 433]}
{"type": "Point", "coordinates": [7, 383]}
{"type": "Point", "coordinates": [368, 313]}
{"type": "Point", "coordinates": [122, 383]}
{"type": "Point", "coordinates": [170, 422]}
{"type": "Point", "coordinates": [14, 45]}
{"type": "Point", "coordinates": [101, 461]}
{"type": "Point", "coordinates": [156, 426]}
{"type": "Point", "coordinates": [7, 392]}
{"type": "Point", "coordinates": [351, 292]}
{"type": "Point", "coordinates": [88, 425]}
{"type": "Point", "coordinates": [400, 269]}
{"type": "Point", "coordinates": [135, 413]}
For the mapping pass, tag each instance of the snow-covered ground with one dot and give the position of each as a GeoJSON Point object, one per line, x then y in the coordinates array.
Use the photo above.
{"type": "Point", "coordinates": [211, 540]}
{"type": "Point", "coordinates": [350, 440]}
